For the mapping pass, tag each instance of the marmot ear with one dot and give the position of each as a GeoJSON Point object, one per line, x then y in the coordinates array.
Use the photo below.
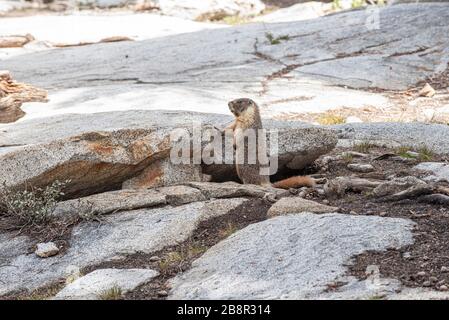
{"type": "Point", "coordinates": [230, 104]}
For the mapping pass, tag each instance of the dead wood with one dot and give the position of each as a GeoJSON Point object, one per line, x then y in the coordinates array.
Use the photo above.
{"type": "Point", "coordinates": [434, 199]}
{"type": "Point", "coordinates": [13, 94]}
{"type": "Point", "coordinates": [410, 193]}
{"type": "Point", "coordinates": [340, 185]}
{"type": "Point", "coordinates": [15, 41]}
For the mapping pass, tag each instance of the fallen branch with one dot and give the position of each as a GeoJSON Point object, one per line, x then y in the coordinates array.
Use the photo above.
{"type": "Point", "coordinates": [443, 190]}
{"type": "Point", "coordinates": [411, 192]}
{"type": "Point", "coordinates": [340, 185]}
{"type": "Point", "coordinates": [13, 94]}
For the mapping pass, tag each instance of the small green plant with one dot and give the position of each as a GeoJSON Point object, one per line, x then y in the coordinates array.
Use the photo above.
{"type": "Point", "coordinates": [114, 293]}
{"type": "Point", "coordinates": [404, 152]}
{"type": "Point", "coordinates": [32, 206]}
{"type": "Point", "coordinates": [363, 147]}
{"type": "Point", "coordinates": [425, 154]}
{"type": "Point", "coordinates": [276, 40]}
{"type": "Point", "coordinates": [347, 157]}
{"type": "Point", "coordinates": [87, 212]}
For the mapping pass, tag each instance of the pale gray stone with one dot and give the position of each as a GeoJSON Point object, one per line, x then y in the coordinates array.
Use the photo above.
{"type": "Point", "coordinates": [436, 171]}
{"type": "Point", "coordinates": [164, 173]}
{"type": "Point", "coordinates": [289, 257]}
{"type": "Point", "coordinates": [296, 205]}
{"type": "Point", "coordinates": [134, 156]}
{"type": "Point", "coordinates": [112, 201]}
{"type": "Point", "coordinates": [144, 230]}
{"type": "Point", "coordinates": [233, 189]}
{"type": "Point", "coordinates": [318, 58]}
{"type": "Point", "coordinates": [392, 135]}
{"type": "Point", "coordinates": [361, 167]}
{"type": "Point", "coordinates": [177, 195]}
{"type": "Point", "coordinates": [95, 285]}
{"type": "Point", "coordinates": [45, 250]}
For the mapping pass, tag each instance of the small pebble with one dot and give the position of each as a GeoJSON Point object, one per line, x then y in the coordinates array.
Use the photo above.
{"type": "Point", "coordinates": [352, 212]}
{"type": "Point", "coordinates": [444, 269]}
{"type": "Point", "coordinates": [383, 214]}
{"type": "Point", "coordinates": [421, 274]}
{"type": "Point", "coordinates": [433, 279]}
{"type": "Point", "coordinates": [45, 250]}
{"type": "Point", "coordinates": [325, 201]}
{"type": "Point", "coordinates": [162, 293]}
{"type": "Point", "coordinates": [443, 288]}
{"type": "Point", "coordinates": [154, 258]}
{"type": "Point", "coordinates": [427, 284]}
{"type": "Point", "coordinates": [407, 255]}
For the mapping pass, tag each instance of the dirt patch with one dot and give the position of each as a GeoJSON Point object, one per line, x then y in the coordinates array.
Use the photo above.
{"type": "Point", "coordinates": [422, 264]}
{"type": "Point", "coordinates": [57, 231]}
{"type": "Point", "coordinates": [172, 260]}
{"type": "Point", "coordinates": [438, 81]}
{"type": "Point", "coordinates": [43, 293]}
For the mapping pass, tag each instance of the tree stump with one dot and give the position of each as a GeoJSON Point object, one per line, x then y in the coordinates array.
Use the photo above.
{"type": "Point", "coordinates": [13, 94]}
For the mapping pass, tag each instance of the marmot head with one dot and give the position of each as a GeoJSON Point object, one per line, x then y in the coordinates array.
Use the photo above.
{"type": "Point", "coordinates": [239, 106]}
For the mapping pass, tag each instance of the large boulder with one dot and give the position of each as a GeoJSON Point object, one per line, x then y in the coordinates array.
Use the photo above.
{"type": "Point", "coordinates": [136, 156]}
{"type": "Point", "coordinates": [93, 162]}
{"type": "Point", "coordinates": [125, 200]}
{"type": "Point", "coordinates": [50, 31]}
{"type": "Point", "coordinates": [292, 257]}
{"type": "Point", "coordinates": [91, 243]}
{"type": "Point", "coordinates": [393, 135]}
{"type": "Point", "coordinates": [311, 72]}
{"type": "Point", "coordinates": [100, 284]}
{"type": "Point", "coordinates": [434, 171]}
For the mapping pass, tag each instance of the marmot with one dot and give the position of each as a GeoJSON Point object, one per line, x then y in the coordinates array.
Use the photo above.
{"type": "Point", "coordinates": [247, 116]}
